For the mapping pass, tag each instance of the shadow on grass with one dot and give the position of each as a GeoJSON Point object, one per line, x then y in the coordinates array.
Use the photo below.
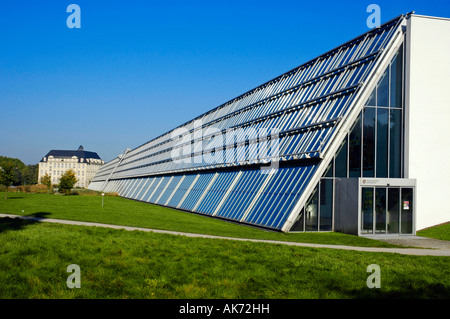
{"type": "Point", "coordinates": [423, 290]}
{"type": "Point", "coordinates": [11, 224]}
{"type": "Point", "coordinates": [39, 215]}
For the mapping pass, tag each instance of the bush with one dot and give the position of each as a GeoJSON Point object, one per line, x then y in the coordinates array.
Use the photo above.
{"type": "Point", "coordinates": [89, 192]}
{"type": "Point", "coordinates": [67, 182]}
{"type": "Point", "coordinates": [34, 189]}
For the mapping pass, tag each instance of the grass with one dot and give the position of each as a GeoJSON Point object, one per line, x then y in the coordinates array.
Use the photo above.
{"type": "Point", "coordinates": [123, 264]}
{"type": "Point", "coordinates": [438, 232]}
{"type": "Point", "coordinates": [120, 211]}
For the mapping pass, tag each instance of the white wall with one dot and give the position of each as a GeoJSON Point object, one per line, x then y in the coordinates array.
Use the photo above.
{"type": "Point", "coordinates": [429, 113]}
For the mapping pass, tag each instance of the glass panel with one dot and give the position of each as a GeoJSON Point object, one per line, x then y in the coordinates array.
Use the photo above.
{"type": "Point", "coordinates": [393, 210]}
{"type": "Point", "coordinates": [329, 171]}
{"type": "Point", "coordinates": [382, 142]}
{"type": "Point", "coordinates": [407, 211]}
{"type": "Point", "coordinates": [298, 226]}
{"type": "Point", "coordinates": [395, 128]}
{"type": "Point", "coordinates": [369, 142]}
{"type": "Point", "coordinates": [367, 211]}
{"type": "Point", "coordinates": [181, 190]}
{"type": "Point", "coordinates": [326, 204]}
{"type": "Point", "coordinates": [143, 188]}
{"type": "Point", "coordinates": [397, 79]}
{"type": "Point", "coordinates": [340, 161]}
{"type": "Point", "coordinates": [380, 210]}
{"type": "Point", "coordinates": [311, 211]}
{"type": "Point", "coordinates": [354, 156]}
{"type": "Point", "coordinates": [383, 90]}
{"type": "Point", "coordinates": [372, 101]}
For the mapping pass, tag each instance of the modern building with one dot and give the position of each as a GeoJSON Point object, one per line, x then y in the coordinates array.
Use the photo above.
{"type": "Point", "coordinates": [85, 165]}
{"type": "Point", "coordinates": [351, 141]}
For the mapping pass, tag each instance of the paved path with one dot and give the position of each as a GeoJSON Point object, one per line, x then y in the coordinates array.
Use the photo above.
{"type": "Point", "coordinates": [406, 251]}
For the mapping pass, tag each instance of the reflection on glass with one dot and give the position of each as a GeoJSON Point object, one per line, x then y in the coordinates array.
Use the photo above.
{"type": "Point", "coordinates": [383, 90]}
{"type": "Point", "coordinates": [372, 101]}
{"type": "Point", "coordinates": [380, 210]}
{"type": "Point", "coordinates": [382, 142]}
{"type": "Point", "coordinates": [329, 171]}
{"type": "Point", "coordinates": [397, 79]}
{"type": "Point", "coordinates": [393, 210]}
{"type": "Point", "coordinates": [369, 142]}
{"type": "Point", "coordinates": [311, 212]}
{"type": "Point", "coordinates": [298, 226]}
{"type": "Point", "coordinates": [354, 156]}
{"type": "Point", "coordinates": [340, 161]}
{"type": "Point", "coordinates": [407, 211]}
{"type": "Point", "coordinates": [367, 211]}
{"type": "Point", "coordinates": [395, 143]}
{"type": "Point", "coordinates": [326, 203]}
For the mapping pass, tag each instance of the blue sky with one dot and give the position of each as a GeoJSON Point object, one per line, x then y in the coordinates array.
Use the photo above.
{"type": "Point", "coordinates": [136, 69]}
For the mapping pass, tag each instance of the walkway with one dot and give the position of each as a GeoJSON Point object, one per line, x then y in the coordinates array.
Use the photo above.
{"type": "Point", "coordinates": [406, 251]}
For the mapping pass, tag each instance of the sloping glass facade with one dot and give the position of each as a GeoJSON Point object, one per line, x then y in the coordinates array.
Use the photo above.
{"type": "Point", "coordinates": [373, 149]}
{"type": "Point", "coordinates": [252, 158]}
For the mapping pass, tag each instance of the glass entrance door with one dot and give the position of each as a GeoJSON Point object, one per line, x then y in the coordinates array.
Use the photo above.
{"type": "Point", "coordinates": [393, 212]}
{"type": "Point", "coordinates": [387, 210]}
{"type": "Point", "coordinates": [406, 217]}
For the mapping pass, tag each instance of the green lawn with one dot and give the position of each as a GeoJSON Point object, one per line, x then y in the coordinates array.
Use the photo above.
{"type": "Point", "coordinates": [120, 211]}
{"type": "Point", "coordinates": [438, 232]}
{"type": "Point", "coordinates": [122, 264]}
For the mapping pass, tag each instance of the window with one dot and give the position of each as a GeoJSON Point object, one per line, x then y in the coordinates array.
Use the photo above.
{"type": "Point", "coordinates": [382, 142]}
{"type": "Point", "coordinates": [395, 130]}
{"type": "Point", "coordinates": [380, 210]}
{"type": "Point", "coordinates": [393, 210]}
{"type": "Point", "coordinates": [311, 212]}
{"type": "Point", "coordinates": [367, 211]}
{"type": "Point", "coordinates": [369, 142]}
{"type": "Point", "coordinates": [406, 207]}
{"type": "Point", "coordinates": [354, 156]}
{"type": "Point", "coordinates": [383, 90]}
{"type": "Point", "coordinates": [326, 204]}
{"type": "Point", "coordinates": [397, 80]}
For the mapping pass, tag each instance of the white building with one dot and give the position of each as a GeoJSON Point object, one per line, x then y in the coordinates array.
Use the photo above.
{"type": "Point", "coordinates": [84, 163]}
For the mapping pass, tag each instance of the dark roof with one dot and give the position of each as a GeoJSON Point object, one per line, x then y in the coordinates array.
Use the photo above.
{"type": "Point", "coordinates": [80, 153]}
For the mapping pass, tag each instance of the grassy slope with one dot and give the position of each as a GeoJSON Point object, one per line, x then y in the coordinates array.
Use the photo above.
{"type": "Point", "coordinates": [121, 211]}
{"type": "Point", "coordinates": [438, 232]}
{"type": "Point", "coordinates": [123, 264]}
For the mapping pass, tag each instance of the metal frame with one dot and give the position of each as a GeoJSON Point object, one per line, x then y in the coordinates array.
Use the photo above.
{"type": "Point", "coordinates": [386, 183]}
{"type": "Point", "coordinates": [344, 126]}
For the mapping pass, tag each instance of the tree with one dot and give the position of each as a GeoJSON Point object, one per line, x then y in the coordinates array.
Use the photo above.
{"type": "Point", "coordinates": [30, 174]}
{"type": "Point", "coordinates": [66, 182]}
{"type": "Point", "coordinates": [7, 175]}
{"type": "Point", "coordinates": [22, 174]}
{"type": "Point", "coordinates": [17, 166]}
{"type": "Point", "coordinates": [47, 181]}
